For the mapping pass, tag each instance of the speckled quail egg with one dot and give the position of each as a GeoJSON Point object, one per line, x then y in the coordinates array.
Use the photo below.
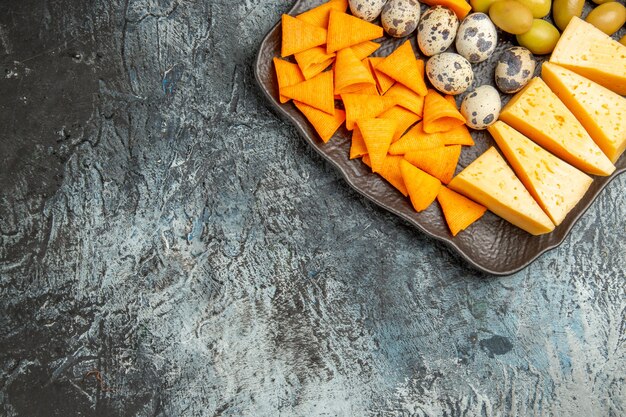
{"type": "Point", "coordinates": [449, 73]}
{"type": "Point", "coordinates": [436, 30]}
{"type": "Point", "coordinates": [367, 10]}
{"type": "Point", "coordinates": [481, 108]}
{"type": "Point", "coordinates": [515, 68]}
{"type": "Point", "coordinates": [400, 17]}
{"type": "Point", "coordinates": [476, 38]}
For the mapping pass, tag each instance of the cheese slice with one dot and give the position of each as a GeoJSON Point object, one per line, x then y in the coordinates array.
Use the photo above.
{"type": "Point", "coordinates": [591, 53]}
{"type": "Point", "coordinates": [539, 114]}
{"type": "Point", "coordinates": [489, 181]}
{"type": "Point", "coordinates": [554, 184]}
{"type": "Point", "coordinates": [598, 109]}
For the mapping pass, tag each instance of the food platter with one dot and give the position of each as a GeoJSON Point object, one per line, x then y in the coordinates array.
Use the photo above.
{"type": "Point", "coordinates": [491, 245]}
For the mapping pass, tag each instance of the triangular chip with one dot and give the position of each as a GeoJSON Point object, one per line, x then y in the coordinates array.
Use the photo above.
{"type": "Point", "coordinates": [407, 98]}
{"type": "Point", "coordinates": [377, 134]}
{"type": "Point", "coordinates": [287, 74]}
{"type": "Point", "coordinates": [403, 67]}
{"type": "Point", "coordinates": [324, 124]}
{"type": "Point", "coordinates": [364, 106]}
{"type": "Point", "coordinates": [383, 81]}
{"type": "Point", "coordinates": [351, 75]}
{"type": "Point", "coordinates": [539, 114]}
{"type": "Point", "coordinates": [313, 61]}
{"type": "Point", "coordinates": [403, 117]}
{"type": "Point", "coordinates": [554, 184]}
{"type": "Point", "coordinates": [299, 36]}
{"type": "Point", "coordinates": [318, 16]}
{"type": "Point", "coordinates": [358, 147]}
{"type": "Point", "coordinates": [316, 92]}
{"type": "Point", "coordinates": [460, 7]}
{"type": "Point", "coordinates": [416, 140]}
{"type": "Point", "coordinates": [440, 115]}
{"type": "Point", "coordinates": [364, 49]}
{"type": "Point", "coordinates": [460, 135]}
{"type": "Point", "coordinates": [439, 162]}
{"type": "Point", "coordinates": [460, 212]}
{"type": "Point", "coordinates": [390, 171]}
{"type": "Point", "coordinates": [422, 187]}
{"type": "Point", "coordinates": [601, 111]}
{"type": "Point", "coordinates": [345, 30]}
{"type": "Point", "coordinates": [371, 88]}
{"type": "Point", "coordinates": [489, 181]}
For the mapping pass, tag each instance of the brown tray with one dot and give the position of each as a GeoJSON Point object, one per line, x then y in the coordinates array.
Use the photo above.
{"type": "Point", "coordinates": [491, 244]}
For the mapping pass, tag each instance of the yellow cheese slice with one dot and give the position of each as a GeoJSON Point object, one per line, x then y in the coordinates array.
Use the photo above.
{"type": "Point", "coordinates": [491, 182]}
{"type": "Point", "coordinates": [539, 114]}
{"type": "Point", "coordinates": [591, 53]}
{"type": "Point", "coordinates": [554, 184]}
{"type": "Point", "coordinates": [601, 111]}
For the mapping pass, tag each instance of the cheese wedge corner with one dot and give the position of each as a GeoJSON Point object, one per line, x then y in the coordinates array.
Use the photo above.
{"type": "Point", "coordinates": [554, 184]}
{"type": "Point", "coordinates": [539, 114]}
{"type": "Point", "coordinates": [491, 182]}
{"type": "Point", "coordinates": [601, 111]}
{"type": "Point", "coordinates": [588, 51]}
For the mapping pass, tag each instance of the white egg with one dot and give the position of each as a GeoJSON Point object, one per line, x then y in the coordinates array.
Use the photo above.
{"type": "Point", "coordinates": [481, 108]}
{"type": "Point", "coordinates": [436, 30]}
{"type": "Point", "coordinates": [400, 17]}
{"type": "Point", "coordinates": [367, 10]}
{"type": "Point", "coordinates": [449, 73]}
{"type": "Point", "coordinates": [476, 38]}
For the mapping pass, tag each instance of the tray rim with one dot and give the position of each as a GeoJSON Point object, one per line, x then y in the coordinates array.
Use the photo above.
{"type": "Point", "coordinates": [447, 241]}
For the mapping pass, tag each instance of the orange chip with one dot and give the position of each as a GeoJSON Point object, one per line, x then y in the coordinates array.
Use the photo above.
{"type": "Point", "coordinates": [370, 90]}
{"type": "Point", "coordinates": [403, 67]}
{"type": "Point", "coordinates": [377, 134]}
{"type": "Point", "coordinates": [406, 98]}
{"type": "Point", "coordinates": [287, 74]}
{"type": "Point", "coordinates": [364, 106]}
{"type": "Point", "coordinates": [460, 135]}
{"type": "Point", "coordinates": [450, 99]}
{"type": "Point", "coordinates": [345, 30]}
{"type": "Point", "coordinates": [422, 187]}
{"type": "Point", "coordinates": [439, 162]}
{"type": "Point", "coordinates": [440, 115]}
{"type": "Point", "coordinates": [318, 16]}
{"type": "Point", "coordinates": [383, 81]}
{"type": "Point", "coordinates": [350, 73]}
{"type": "Point", "coordinates": [324, 124]}
{"type": "Point", "coordinates": [358, 147]}
{"type": "Point", "coordinates": [390, 171]}
{"type": "Point", "coordinates": [460, 212]}
{"type": "Point", "coordinates": [299, 36]}
{"type": "Point", "coordinates": [313, 61]}
{"type": "Point", "coordinates": [416, 140]}
{"type": "Point", "coordinates": [316, 92]}
{"type": "Point", "coordinates": [460, 7]}
{"type": "Point", "coordinates": [403, 117]}
{"type": "Point", "coordinates": [364, 49]}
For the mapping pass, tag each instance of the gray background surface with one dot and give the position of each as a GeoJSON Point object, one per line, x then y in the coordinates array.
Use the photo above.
{"type": "Point", "coordinates": [170, 247]}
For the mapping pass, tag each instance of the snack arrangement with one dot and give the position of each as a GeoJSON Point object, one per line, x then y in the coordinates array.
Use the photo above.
{"type": "Point", "coordinates": [401, 112]}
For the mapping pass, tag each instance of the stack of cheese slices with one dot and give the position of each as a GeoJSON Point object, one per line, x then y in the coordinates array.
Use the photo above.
{"type": "Point", "coordinates": [561, 127]}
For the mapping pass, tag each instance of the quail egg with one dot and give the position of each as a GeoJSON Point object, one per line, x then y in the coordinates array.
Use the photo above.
{"type": "Point", "coordinates": [477, 38]}
{"type": "Point", "coordinates": [367, 10]}
{"type": "Point", "coordinates": [400, 17]}
{"type": "Point", "coordinates": [481, 108]}
{"type": "Point", "coordinates": [436, 30]}
{"type": "Point", "coordinates": [449, 73]}
{"type": "Point", "coordinates": [515, 68]}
